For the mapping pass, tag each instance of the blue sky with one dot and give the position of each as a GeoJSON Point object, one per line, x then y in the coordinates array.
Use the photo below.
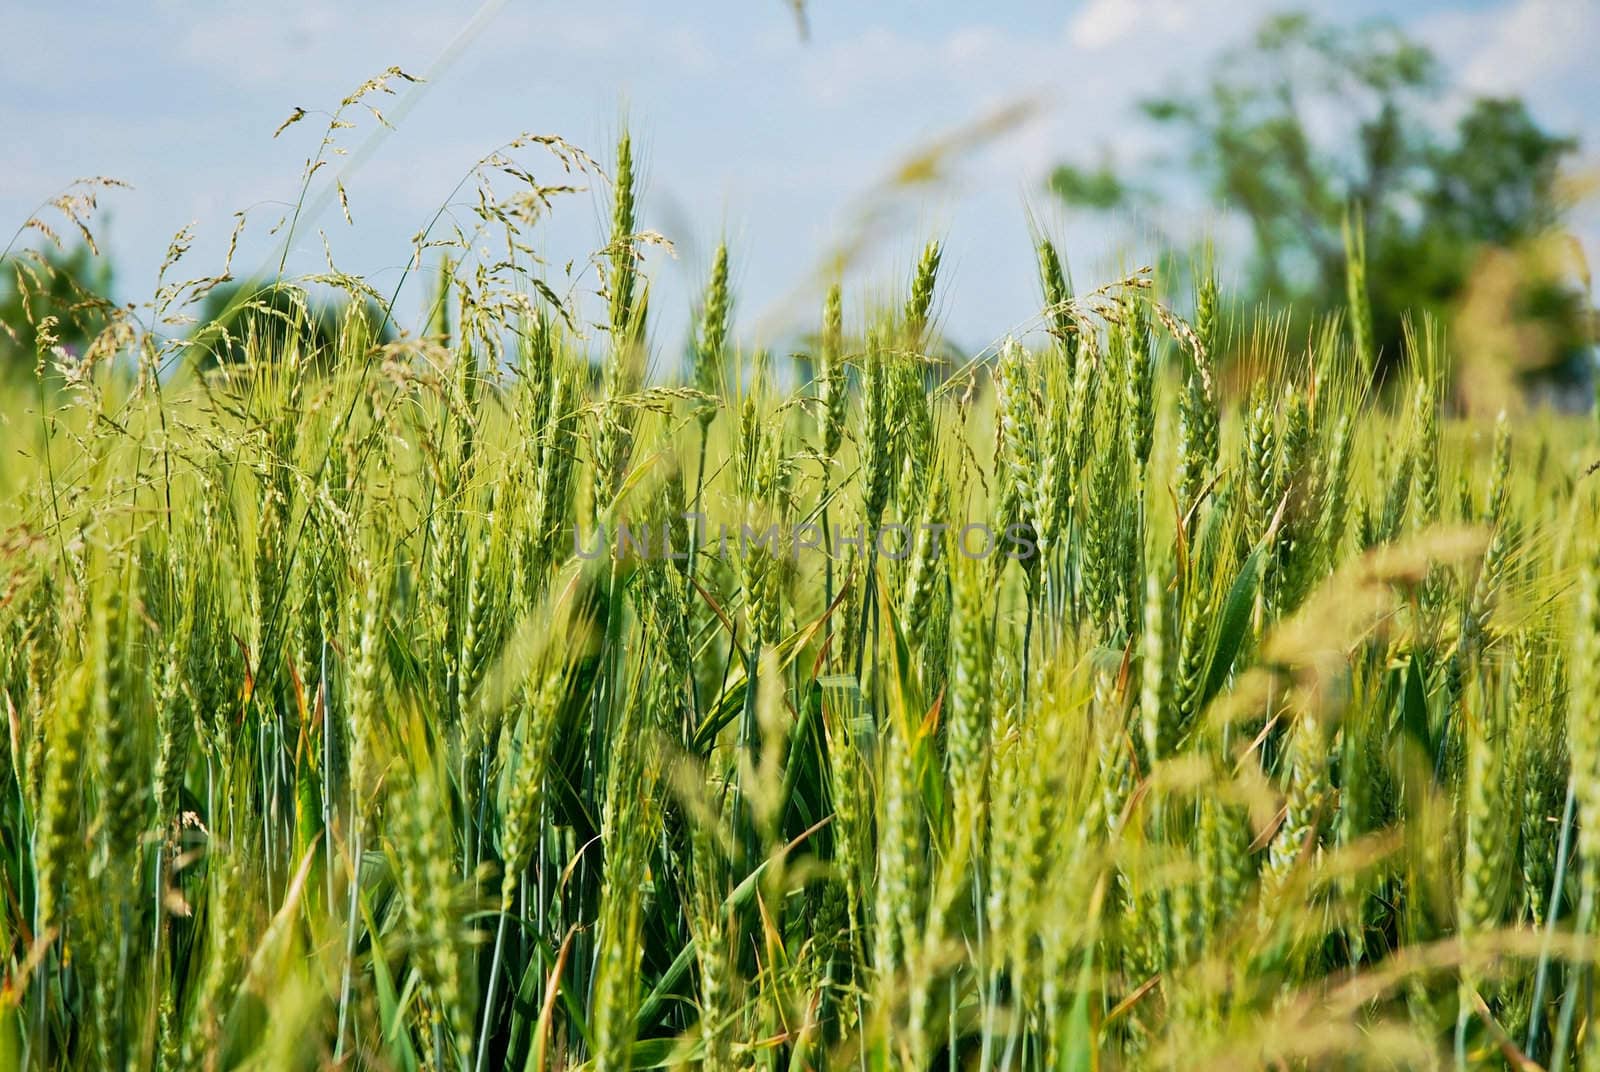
{"type": "Point", "coordinates": [747, 130]}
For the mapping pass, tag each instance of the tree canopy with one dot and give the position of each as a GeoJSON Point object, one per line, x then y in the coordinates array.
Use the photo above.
{"type": "Point", "coordinates": [1307, 125]}
{"type": "Point", "coordinates": [65, 288]}
{"type": "Point", "coordinates": [276, 315]}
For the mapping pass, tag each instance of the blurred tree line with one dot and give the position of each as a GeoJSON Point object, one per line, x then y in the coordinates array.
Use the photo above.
{"type": "Point", "coordinates": [68, 289]}
{"type": "Point", "coordinates": [274, 315]}
{"type": "Point", "coordinates": [70, 285]}
{"type": "Point", "coordinates": [1308, 126]}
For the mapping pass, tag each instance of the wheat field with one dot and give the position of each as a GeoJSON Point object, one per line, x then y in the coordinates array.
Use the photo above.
{"type": "Point", "coordinates": [506, 696]}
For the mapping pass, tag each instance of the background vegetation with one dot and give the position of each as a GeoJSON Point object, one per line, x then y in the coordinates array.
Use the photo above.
{"type": "Point", "coordinates": [1312, 129]}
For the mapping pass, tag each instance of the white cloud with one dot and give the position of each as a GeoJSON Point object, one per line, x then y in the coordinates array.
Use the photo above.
{"type": "Point", "coordinates": [1533, 41]}
{"type": "Point", "coordinates": [1103, 23]}
{"type": "Point", "coordinates": [1518, 46]}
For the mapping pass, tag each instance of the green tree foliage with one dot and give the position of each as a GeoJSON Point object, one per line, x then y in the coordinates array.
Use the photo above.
{"type": "Point", "coordinates": [1308, 121]}
{"type": "Point", "coordinates": [70, 285]}
{"type": "Point", "coordinates": [1100, 187]}
{"type": "Point", "coordinates": [267, 316]}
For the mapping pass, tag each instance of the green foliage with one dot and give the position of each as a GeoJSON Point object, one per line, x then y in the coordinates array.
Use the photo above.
{"type": "Point", "coordinates": [1096, 188]}
{"type": "Point", "coordinates": [264, 317]}
{"type": "Point", "coordinates": [1309, 119]}
{"type": "Point", "coordinates": [69, 287]}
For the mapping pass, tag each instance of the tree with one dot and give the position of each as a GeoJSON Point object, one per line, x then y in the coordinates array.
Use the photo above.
{"type": "Point", "coordinates": [236, 316]}
{"type": "Point", "coordinates": [1307, 123]}
{"type": "Point", "coordinates": [70, 285]}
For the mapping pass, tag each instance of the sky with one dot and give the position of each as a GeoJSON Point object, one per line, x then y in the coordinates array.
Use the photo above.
{"type": "Point", "coordinates": [750, 131]}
